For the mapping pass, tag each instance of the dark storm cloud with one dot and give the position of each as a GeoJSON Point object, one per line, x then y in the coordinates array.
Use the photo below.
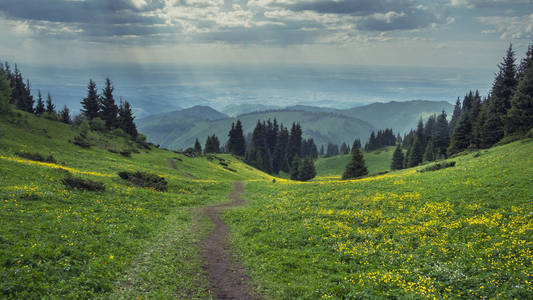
{"type": "Point", "coordinates": [353, 7]}
{"type": "Point", "coordinates": [96, 11]}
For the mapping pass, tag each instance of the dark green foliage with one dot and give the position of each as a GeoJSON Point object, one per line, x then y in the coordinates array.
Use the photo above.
{"type": "Point", "coordinates": [456, 115]}
{"type": "Point", "coordinates": [344, 149]}
{"type": "Point", "coordinates": [356, 145]}
{"type": "Point", "coordinates": [145, 180]}
{"type": "Point", "coordinates": [295, 142]}
{"type": "Point", "coordinates": [429, 153]}
{"type": "Point", "coordinates": [36, 157]}
{"type": "Point", "coordinates": [306, 170]}
{"type": "Point", "coordinates": [50, 107]}
{"type": "Point", "coordinates": [295, 168]}
{"type": "Point", "coordinates": [416, 152]}
{"type": "Point", "coordinates": [108, 108]}
{"type": "Point", "coordinates": [322, 150]}
{"type": "Point", "coordinates": [309, 148]}
{"type": "Point", "coordinates": [438, 166]}
{"type": "Point", "coordinates": [236, 142]}
{"type": "Point", "coordinates": [197, 147]}
{"type": "Point", "coordinates": [332, 150]}
{"type": "Point", "coordinates": [125, 153]}
{"type": "Point", "coordinates": [39, 108]}
{"type": "Point", "coordinates": [126, 119]}
{"type": "Point", "coordinates": [279, 159]}
{"type": "Point", "coordinates": [83, 184]}
{"type": "Point", "coordinates": [81, 139]}
{"type": "Point", "coordinates": [90, 104]}
{"type": "Point", "coordinates": [98, 124]}
{"type": "Point", "coordinates": [356, 167]}
{"type": "Point", "coordinates": [397, 158]}
{"type": "Point", "coordinates": [21, 93]}
{"type": "Point", "coordinates": [271, 134]}
{"type": "Point", "coordinates": [520, 115]}
{"type": "Point", "coordinates": [64, 115]}
{"type": "Point", "coordinates": [212, 145]}
{"type": "Point", "coordinates": [5, 91]}
{"type": "Point", "coordinates": [380, 139]}
{"type": "Point", "coordinates": [441, 136]}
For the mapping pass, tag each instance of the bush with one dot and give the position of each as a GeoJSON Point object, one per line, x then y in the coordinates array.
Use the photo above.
{"type": "Point", "coordinates": [125, 153]}
{"type": "Point", "coordinates": [83, 184]}
{"type": "Point", "coordinates": [529, 134]}
{"type": "Point", "coordinates": [36, 157]}
{"type": "Point", "coordinates": [81, 141]}
{"type": "Point", "coordinates": [438, 166]}
{"type": "Point", "coordinates": [145, 180]}
{"type": "Point", "coordinates": [98, 124]}
{"type": "Point", "coordinates": [119, 132]}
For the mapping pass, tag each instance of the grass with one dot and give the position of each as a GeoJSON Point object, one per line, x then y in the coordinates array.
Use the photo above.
{"type": "Point", "coordinates": [124, 242]}
{"type": "Point", "coordinates": [461, 232]}
{"type": "Point", "coordinates": [376, 161]}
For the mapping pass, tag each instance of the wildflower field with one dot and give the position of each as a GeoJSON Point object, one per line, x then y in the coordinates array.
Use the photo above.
{"type": "Point", "coordinates": [124, 242]}
{"type": "Point", "coordinates": [461, 232]}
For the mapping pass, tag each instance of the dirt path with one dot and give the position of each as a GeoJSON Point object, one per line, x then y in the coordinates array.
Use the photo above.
{"type": "Point", "coordinates": [226, 277]}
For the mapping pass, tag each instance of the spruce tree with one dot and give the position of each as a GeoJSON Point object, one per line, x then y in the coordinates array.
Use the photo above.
{"type": "Point", "coordinates": [212, 144]}
{"type": "Point", "coordinates": [520, 115]}
{"type": "Point", "coordinates": [397, 158]}
{"type": "Point", "coordinates": [295, 142]}
{"type": "Point", "coordinates": [441, 136]}
{"type": "Point", "coordinates": [279, 160]}
{"type": "Point", "coordinates": [456, 115]}
{"type": "Point", "coordinates": [39, 108]}
{"type": "Point", "coordinates": [236, 142]}
{"type": "Point", "coordinates": [197, 147]}
{"type": "Point", "coordinates": [322, 150]}
{"type": "Point", "coordinates": [356, 167]}
{"type": "Point", "coordinates": [344, 148]}
{"type": "Point", "coordinates": [64, 115]}
{"type": "Point", "coordinates": [90, 104]}
{"type": "Point", "coordinates": [307, 170]}
{"type": "Point", "coordinates": [126, 119]}
{"type": "Point", "coordinates": [5, 92]}
{"type": "Point", "coordinates": [109, 109]}
{"type": "Point", "coordinates": [295, 168]}
{"type": "Point", "coordinates": [416, 153]}
{"type": "Point", "coordinates": [356, 145]}
{"type": "Point", "coordinates": [429, 153]}
{"type": "Point", "coordinates": [50, 107]}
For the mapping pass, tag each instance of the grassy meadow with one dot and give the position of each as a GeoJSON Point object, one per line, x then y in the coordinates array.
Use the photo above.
{"type": "Point", "coordinates": [376, 161]}
{"type": "Point", "coordinates": [460, 232]}
{"type": "Point", "coordinates": [124, 242]}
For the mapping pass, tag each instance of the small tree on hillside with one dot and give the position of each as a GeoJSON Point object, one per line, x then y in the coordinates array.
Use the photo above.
{"type": "Point", "coordinates": [295, 168]}
{"type": "Point", "coordinates": [397, 158]}
{"type": "Point", "coordinates": [356, 145]}
{"type": "Point", "coordinates": [64, 115]}
{"type": "Point", "coordinates": [109, 109]}
{"type": "Point", "coordinates": [39, 108]}
{"type": "Point", "coordinates": [90, 106]}
{"type": "Point", "coordinates": [197, 147]}
{"type": "Point", "coordinates": [5, 92]}
{"type": "Point", "coordinates": [126, 119]}
{"type": "Point", "coordinates": [307, 170]}
{"type": "Point", "coordinates": [356, 167]}
{"type": "Point", "coordinates": [50, 107]}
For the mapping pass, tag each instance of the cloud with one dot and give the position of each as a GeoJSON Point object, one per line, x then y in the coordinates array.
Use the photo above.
{"type": "Point", "coordinates": [490, 3]}
{"type": "Point", "coordinates": [518, 27]}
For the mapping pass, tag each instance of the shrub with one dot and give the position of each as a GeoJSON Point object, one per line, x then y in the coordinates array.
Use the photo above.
{"type": "Point", "coordinates": [81, 141]}
{"type": "Point", "coordinates": [83, 184]}
{"type": "Point", "coordinates": [119, 132]}
{"type": "Point", "coordinates": [36, 157]}
{"type": "Point", "coordinates": [145, 180]}
{"type": "Point", "coordinates": [98, 124]}
{"type": "Point", "coordinates": [125, 153]}
{"type": "Point", "coordinates": [438, 166]}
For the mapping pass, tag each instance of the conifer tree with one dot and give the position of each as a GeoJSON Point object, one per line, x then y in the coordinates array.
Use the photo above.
{"type": "Point", "coordinates": [356, 145]}
{"type": "Point", "coordinates": [236, 142]}
{"type": "Point", "coordinates": [322, 150]}
{"type": "Point", "coordinates": [280, 161]}
{"type": "Point", "coordinates": [520, 115]}
{"type": "Point", "coordinates": [39, 108]}
{"type": "Point", "coordinates": [455, 116]}
{"type": "Point", "coordinates": [197, 147]}
{"type": "Point", "coordinates": [356, 167]}
{"type": "Point", "coordinates": [5, 92]}
{"type": "Point", "coordinates": [307, 170]}
{"type": "Point", "coordinates": [295, 142]}
{"type": "Point", "coordinates": [416, 153]}
{"type": "Point", "coordinates": [109, 109]}
{"type": "Point", "coordinates": [295, 168]}
{"type": "Point", "coordinates": [126, 119]}
{"type": "Point", "coordinates": [50, 107]}
{"type": "Point", "coordinates": [212, 144]}
{"type": "Point", "coordinates": [429, 153]}
{"type": "Point", "coordinates": [344, 148]}
{"type": "Point", "coordinates": [64, 115]}
{"type": "Point", "coordinates": [441, 136]}
{"type": "Point", "coordinates": [90, 104]}
{"type": "Point", "coordinates": [397, 158]}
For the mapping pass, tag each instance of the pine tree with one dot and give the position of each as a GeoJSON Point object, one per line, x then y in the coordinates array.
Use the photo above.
{"type": "Point", "coordinates": [356, 145]}
{"type": "Point", "coordinates": [236, 142]}
{"type": "Point", "coordinates": [397, 158]}
{"type": "Point", "coordinates": [109, 109]}
{"type": "Point", "coordinates": [344, 148]}
{"type": "Point", "coordinates": [90, 104]}
{"type": "Point", "coordinates": [520, 115]}
{"type": "Point", "coordinates": [441, 136]}
{"type": "Point", "coordinates": [197, 147]}
{"type": "Point", "coordinates": [356, 167]}
{"type": "Point", "coordinates": [322, 150]}
{"type": "Point", "coordinates": [429, 153]}
{"type": "Point", "coordinates": [280, 161]}
{"type": "Point", "coordinates": [5, 91]}
{"type": "Point", "coordinates": [295, 168]}
{"type": "Point", "coordinates": [307, 170]}
{"type": "Point", "coordinates": [126, 119]}
{"type": "Point", "coordinates": [456, 115]}
{"type": "Point", "coordinates": [295, 142]}
{"type": "Point", "coordinates": [64, 115]}
{"type": "Point", "coordinates": [212, 144]}
{"type": "Point", "coordinates": [50, 107]}
{"type": "Point", "coordinates": [39, 108]}
{"type": "Point", "coordinates": [416, 153]}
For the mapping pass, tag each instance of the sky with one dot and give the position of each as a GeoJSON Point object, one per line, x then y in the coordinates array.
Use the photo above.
{"type": "Point", "coordinates": [465, 35]}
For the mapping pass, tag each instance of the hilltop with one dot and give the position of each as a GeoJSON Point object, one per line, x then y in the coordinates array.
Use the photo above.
{"type": "Point", "coordinates": [325, 125]}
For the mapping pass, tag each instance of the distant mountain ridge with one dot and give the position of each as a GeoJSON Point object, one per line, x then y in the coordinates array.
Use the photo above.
{"type": "Point", "coordinates": [179, 129]}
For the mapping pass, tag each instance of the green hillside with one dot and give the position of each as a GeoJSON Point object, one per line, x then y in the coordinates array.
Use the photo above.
{"type": "Point", "coordinates": [376, 162]}
{"type": "Point", "coordinates": [177, 133]}
{"type": "Point", "coordinates": [459, 232]}
{"type": "Point", "coordinates": [124, 242]}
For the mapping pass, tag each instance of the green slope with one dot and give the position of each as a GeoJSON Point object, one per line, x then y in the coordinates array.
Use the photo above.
{"type": "Point", "coordinates": [126, 242]}
{"type": "Point", "coordinates": [460, 232]}
{"type": "Point", "coordinates": [376, 162]}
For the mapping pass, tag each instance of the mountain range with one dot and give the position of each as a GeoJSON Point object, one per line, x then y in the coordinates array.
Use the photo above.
{"type": "Point", "coordinates": [179, 129]}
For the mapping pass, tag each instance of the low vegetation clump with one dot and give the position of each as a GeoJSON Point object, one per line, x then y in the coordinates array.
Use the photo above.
{"type": "Point", "coordinates": [145, 180]}
{"type": "Point", "coordinates": [83, 184]}
{"type": "Point", "coordinates": [36, 157]}
{"type": "Point", "coordinates": [438, 166]}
